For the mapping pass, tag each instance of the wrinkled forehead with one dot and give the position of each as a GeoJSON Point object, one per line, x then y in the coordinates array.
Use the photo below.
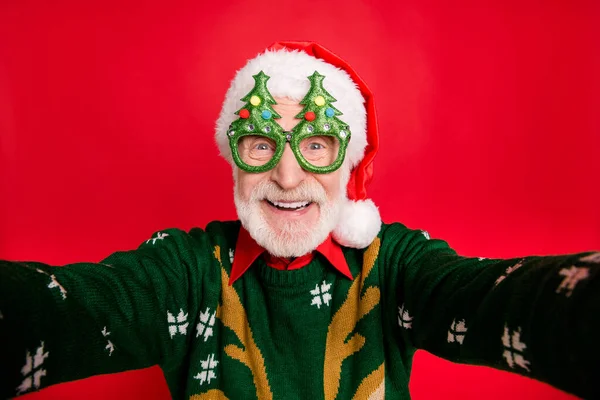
{"type": "Point", "coordinates": [287, 105]}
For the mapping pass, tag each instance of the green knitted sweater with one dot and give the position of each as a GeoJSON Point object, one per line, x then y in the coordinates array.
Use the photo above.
{"type": "Point", "coordinates": [304, 334]}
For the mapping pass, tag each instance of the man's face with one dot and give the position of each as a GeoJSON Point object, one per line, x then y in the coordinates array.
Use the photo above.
{"type": "Point", "coordinates": [288, 210]}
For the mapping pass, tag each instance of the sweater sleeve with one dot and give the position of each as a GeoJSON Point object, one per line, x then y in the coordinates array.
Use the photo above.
{"type": "Point", "coordinates": [536, 316]}
{"type": "Point", "coordinates": [60, 324]}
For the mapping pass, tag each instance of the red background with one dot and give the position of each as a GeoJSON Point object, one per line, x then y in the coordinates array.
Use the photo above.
{"type": "Point", "coordinates": [489, 127]}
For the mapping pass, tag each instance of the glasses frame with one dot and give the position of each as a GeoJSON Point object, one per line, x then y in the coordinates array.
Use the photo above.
{"type": "Point", "coordinates": [294, 138]}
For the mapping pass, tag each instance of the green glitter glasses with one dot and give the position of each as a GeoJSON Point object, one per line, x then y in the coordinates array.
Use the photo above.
{"type": "Point", "coordinates": [319, 141]}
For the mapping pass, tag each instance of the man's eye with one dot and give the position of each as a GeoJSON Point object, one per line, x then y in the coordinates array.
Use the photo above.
{"type": "Point", "coordinates": [315, 146]}
{"type": "Point", "coordinates": [262, 146]}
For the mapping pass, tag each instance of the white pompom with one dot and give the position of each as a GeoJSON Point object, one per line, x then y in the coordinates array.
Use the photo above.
{"type": "Point", "coordinates": [359, 224]}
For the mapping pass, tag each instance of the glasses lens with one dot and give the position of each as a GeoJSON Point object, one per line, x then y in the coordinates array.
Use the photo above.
{"type": "Point", "coordinates": [320, 150]}
{"type": "Point", "coordinates": [255, 150]}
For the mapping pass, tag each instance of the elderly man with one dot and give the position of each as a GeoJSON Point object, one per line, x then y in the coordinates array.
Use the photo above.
{"type": "Point", "coordinates": [308, 296]}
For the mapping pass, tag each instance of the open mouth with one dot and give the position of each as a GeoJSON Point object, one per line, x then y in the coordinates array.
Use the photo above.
{"type": "Point", "coordinates": [289, 206]}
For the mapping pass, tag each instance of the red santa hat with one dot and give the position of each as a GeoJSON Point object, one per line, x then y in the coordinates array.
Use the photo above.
{"type": "Point", "coordinates": [288, 64]}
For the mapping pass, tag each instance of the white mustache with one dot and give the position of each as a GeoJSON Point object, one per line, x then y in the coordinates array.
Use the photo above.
{"type": "Point", "coordinates": [308, 190]}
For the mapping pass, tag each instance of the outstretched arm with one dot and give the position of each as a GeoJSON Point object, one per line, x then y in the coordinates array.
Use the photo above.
{"type": "Point", "coordinates": [536, 316]}
{"type": "Point", "coordinates": [59, 324]}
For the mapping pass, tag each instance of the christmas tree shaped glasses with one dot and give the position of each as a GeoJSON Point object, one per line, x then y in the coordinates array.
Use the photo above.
{"type": "Point", "coordinates": [318, 142]}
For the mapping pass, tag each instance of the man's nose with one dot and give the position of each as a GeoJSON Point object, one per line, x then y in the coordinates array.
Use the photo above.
{"type": "Point", "coordinates": [288, 173]}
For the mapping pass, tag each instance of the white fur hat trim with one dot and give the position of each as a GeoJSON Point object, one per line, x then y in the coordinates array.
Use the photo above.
{"type": "Point", "coordinates": [359, 224]}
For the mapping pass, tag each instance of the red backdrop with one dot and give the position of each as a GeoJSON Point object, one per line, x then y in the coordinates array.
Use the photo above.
{"type": "Point", "coordinates": [489, 122]}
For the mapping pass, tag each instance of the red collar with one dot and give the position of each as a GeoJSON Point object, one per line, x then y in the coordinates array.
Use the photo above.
{"type": "Point", "coordinates": [247, 251]}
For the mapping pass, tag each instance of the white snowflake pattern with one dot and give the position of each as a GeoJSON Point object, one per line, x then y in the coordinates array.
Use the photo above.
{"type": "Point", "coordinates": [205, 326]}
{"type": "Point", "coordinates": [54, 284]}
{"type": "Point", "coordinates": [572, 276]}
{"type": "Point", "coordinates": [177, 325]}
{"type": "Point", "coordinates": [457, 331]}
{"type": "Point", "coordinates": [110, 346]}
{"type": "Point", "coordinates": [404, 318]}
{"type": "Point", "coordinates": [509, 271]}
{"type": "Point", "coordinates": [32, 371]}
{"type": "Point", "coordinates": [159, 236]}
{"type": "Point", "coordinates": [231, 254]}
{"type": "Point", "coordinates": [426, 234]}
{"type": "Point", "coordinates": [208, 370]}
{"type": "Point", "coordinates": [514, 349]}
{"type": "Point", "coordinates": [321, 295]}
{"type": "Point", "coordinates": [593, 258]}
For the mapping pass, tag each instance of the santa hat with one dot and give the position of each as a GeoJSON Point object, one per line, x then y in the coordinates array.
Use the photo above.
{"type": "Point", "coordinates": [288, 64]}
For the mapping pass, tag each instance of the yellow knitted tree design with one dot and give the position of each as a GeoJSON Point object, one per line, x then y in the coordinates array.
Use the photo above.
{"type": "Point", "coordinates": [343, 324]}
{"type": "Point", "coordinates": [233, 315]}
{"type": "Point", "coordinates": [213, 394]}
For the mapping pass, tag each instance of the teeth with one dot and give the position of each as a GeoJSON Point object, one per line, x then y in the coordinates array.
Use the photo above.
{"type": "Point", "coordinates": [297, 204]}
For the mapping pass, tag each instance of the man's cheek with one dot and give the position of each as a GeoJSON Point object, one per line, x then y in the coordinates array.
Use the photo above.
{"type": "Point", "coordinates": [333, 189]}
{"type": "Point", "coordinates": [244, 188]}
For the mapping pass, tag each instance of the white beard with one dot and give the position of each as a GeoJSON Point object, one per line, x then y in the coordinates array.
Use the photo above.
{"type": "Point", "coordinates": [293, 238]}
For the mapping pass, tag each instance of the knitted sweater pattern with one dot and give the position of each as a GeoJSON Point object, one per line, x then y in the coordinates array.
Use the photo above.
{"type": "Point", "coordinates": [303, 334]}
